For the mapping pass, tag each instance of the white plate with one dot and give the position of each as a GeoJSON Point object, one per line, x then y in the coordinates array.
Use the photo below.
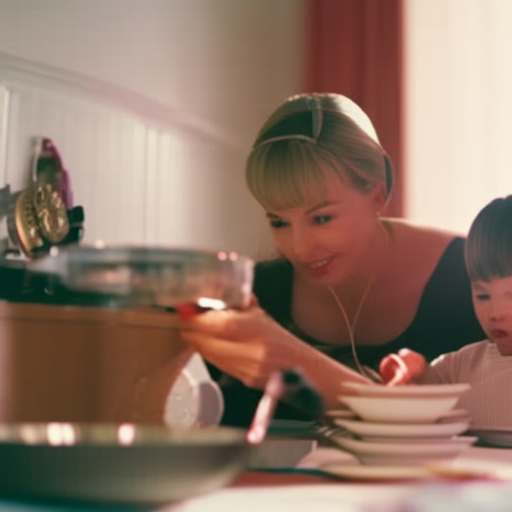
{"type": "Point", "coordinates": [403, 454]}
{"type": "Point", "coordinates": [340, 413]}
{"type": "Point", "coordinates": [397, 430]}
{"type": "Point", "coordinates": [383, 409]}
{"type": "Point", "coordinates": [455, 415]}
{"type": "Point", "coordinates": [360, 472]}
{"type": "Point", "coordinates": [409, 390]}
{"type": "Point", "coordinates": [413, 440]}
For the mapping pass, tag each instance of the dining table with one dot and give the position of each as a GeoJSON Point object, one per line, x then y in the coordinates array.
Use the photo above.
{"type": "Point", "coordinates": [482, 477]}
{"type": "Point", "coordinates": [483, 483]}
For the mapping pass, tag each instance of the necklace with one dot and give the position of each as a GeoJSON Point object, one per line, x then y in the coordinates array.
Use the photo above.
{"type": "Point", "coordinates": [351, 326]}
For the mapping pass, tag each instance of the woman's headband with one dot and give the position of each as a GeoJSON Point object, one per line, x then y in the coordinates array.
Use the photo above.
{"type": "Point", "coordinates": [351, 109]}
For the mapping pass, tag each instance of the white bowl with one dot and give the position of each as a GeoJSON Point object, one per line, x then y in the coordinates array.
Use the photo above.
{"type": "Point", "coordinates": [399, 409]}
{"type": "Point", "coordinates": [403, 454]}
{"type": "Point", "coordinates": [404, 432]}
{"type": "Point", "coordinates": [409, 390]}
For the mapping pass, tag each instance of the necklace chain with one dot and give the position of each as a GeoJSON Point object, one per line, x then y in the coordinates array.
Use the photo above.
{"type": "Point", "coordinates": [351, 326]}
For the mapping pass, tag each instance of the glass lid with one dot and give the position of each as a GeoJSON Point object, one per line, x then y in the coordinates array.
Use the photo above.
{"type": "Point", "coordinates": [152, 276]}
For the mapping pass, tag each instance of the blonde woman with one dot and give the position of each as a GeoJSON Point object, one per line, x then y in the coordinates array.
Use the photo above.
{"type": "Point", "coordinates": [351, 285]}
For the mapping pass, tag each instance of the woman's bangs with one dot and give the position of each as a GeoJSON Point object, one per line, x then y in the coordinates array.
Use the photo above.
{"type": "Point", "coordinates": [285, 174]}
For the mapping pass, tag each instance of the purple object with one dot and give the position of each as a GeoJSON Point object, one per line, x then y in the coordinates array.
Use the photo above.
{"type": "Point", "coordinates": [49, 169]}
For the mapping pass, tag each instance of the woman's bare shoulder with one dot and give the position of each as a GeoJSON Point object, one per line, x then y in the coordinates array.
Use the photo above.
{"type": "Point", "coordinates": [410, 234]}
{"type": "Point", "coordinates": [422, 244]}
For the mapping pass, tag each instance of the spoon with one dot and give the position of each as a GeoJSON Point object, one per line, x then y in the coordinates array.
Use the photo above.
{"type": "Point", "coordinates": [289, 386]}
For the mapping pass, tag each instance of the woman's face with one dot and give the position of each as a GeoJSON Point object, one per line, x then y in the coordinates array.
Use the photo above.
{"type": "Point", "coordinates": [329, 239]}
{"type": "Point", "coordinates": [492, 301]}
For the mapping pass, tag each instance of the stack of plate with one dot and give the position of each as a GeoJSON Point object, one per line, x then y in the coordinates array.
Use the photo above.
{"type": "Point", "coordinates": [402, 426]}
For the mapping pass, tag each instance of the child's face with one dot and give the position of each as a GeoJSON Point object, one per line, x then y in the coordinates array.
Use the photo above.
{"type": "Point", "coordinates": [492, 301]}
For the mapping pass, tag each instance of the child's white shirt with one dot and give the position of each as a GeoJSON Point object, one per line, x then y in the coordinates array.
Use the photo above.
{"type": "Point", "coordinates": [489, 401]}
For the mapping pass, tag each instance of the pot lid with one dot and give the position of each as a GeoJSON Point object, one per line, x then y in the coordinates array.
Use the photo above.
{"type": "Point", "coordinates": [152, 276]}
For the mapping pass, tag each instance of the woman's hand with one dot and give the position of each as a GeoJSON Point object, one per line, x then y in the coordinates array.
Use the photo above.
{"type": "Point", "coordinates": [402, 368]}
{"type": "Point", "coordinates": [248, 344]}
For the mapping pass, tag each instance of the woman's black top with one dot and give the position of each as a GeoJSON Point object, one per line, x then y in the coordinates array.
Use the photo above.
{"type": "Point", "coordinates": [444, 322]}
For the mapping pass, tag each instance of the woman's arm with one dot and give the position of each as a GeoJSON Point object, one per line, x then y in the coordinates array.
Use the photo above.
{"type": "Point", "coordinates": [249, 345]}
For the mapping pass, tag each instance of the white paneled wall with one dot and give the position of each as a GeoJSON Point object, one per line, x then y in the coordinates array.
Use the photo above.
{"type": "Point", "coordinates": [192, 81]}
{"type": "Point", "coordinates": [139, 182]}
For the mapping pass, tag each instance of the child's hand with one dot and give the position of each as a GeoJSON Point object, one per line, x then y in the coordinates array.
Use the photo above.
{"type": "Point", "coordinates": [402, 368]}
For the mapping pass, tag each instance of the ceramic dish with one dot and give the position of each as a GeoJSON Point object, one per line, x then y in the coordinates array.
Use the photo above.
{"type": "Point", "coordinates": [450, 470]}
{"type": "Point", "coordinates": [410, 390]}
{"type": "Point", "coordinates": [360, 472]}
{"type": "Point", "coordinates": [455, 415]}
{"type": "Point", "coordinates": [402, 454]}
{"type": "Point", "coordinates": [412, 440]}
{"type": "Point", "coordinates": [399, 409]}
{"type": "Point", "coordinates": [340, 413]}
{"type": "Point", "coordinates": [403, 432]}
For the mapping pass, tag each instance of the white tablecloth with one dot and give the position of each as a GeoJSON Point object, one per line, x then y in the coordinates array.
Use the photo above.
{"type": "Point", "coordinates": [449, 496]}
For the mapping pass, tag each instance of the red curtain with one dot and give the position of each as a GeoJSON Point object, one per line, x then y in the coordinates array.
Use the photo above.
{"type": "Point", "coordinates": [354, 47]}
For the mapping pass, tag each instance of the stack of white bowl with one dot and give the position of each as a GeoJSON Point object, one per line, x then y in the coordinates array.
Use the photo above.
{"type": "Point", "coordinates": [402, 426]}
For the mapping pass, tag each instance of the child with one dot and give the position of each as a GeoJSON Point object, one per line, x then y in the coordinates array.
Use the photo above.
{"type": "Point", "coordinates": [486, 365]}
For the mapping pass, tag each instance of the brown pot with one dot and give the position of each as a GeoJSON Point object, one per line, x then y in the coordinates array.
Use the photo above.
{"type": "Point", "coordinates": [85, 364]}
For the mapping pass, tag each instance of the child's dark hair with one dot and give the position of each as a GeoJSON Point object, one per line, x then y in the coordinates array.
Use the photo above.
{"type": "Point", "coordinates": [488, 250]}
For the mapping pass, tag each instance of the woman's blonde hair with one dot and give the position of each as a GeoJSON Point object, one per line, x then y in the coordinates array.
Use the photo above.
{"type": "Point", "coordinates": [488, 249]}
{"type": "Point", "coordinates": [304, 135]}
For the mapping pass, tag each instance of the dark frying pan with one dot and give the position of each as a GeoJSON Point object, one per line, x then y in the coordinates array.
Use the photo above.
{"type": "Point", "coordinates": [135, 465]}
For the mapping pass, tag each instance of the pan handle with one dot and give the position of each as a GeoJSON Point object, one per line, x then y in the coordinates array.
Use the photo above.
{"type": "Point", "coordinates": [290, 386]}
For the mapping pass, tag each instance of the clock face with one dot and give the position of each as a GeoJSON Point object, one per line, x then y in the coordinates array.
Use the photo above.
{"type": "Point", "coordinates": [42, 215]}
{"type": "Point", "coordinates": [40, 220]}
{"type": "Point", "coordinates": [51, 213]}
